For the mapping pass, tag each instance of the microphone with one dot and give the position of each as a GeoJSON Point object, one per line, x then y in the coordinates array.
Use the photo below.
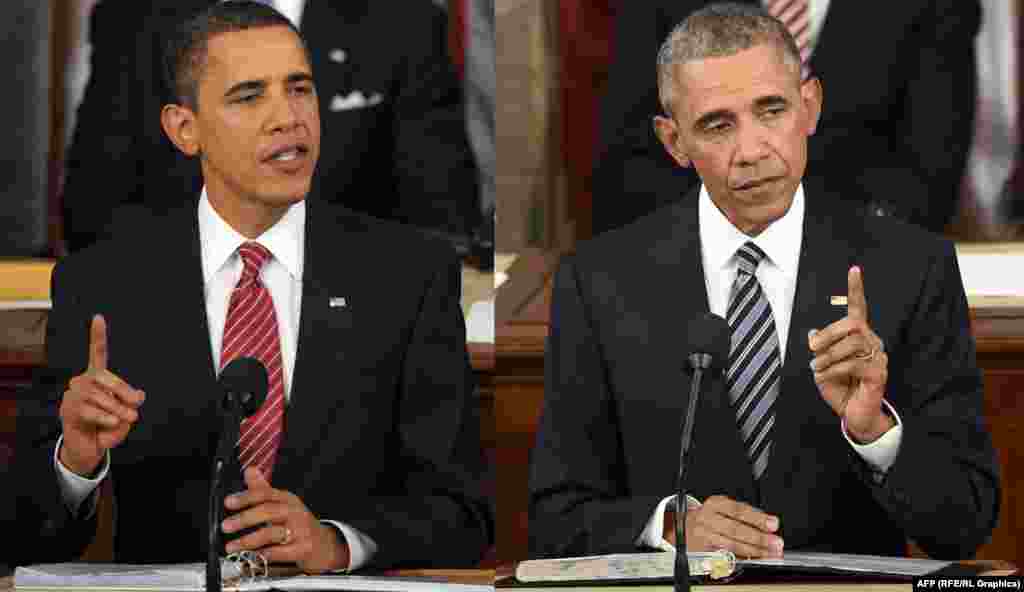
{"type": "Point", "coordinates": [243, 384]}
{"type": "Point", "coordinates": [710, 337]}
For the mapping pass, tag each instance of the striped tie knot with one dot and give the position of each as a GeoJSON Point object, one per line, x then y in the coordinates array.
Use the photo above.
{"type": "Point", "coordinates": [254, 257]}
{"type": "Point", "coordinates": [750, 256]}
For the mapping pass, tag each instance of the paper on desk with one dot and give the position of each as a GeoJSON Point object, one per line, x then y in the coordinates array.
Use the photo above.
{"type": "Point", "coordinates": [185, 576]}
{"type": "Point", "coordinates": [192, 577]}
{"type": "Point", "coordinates": [660, 566]}
{"type": "Point", "coordinates": [874, 564]}
{"type": "Point", "coordinates": [362, 583]}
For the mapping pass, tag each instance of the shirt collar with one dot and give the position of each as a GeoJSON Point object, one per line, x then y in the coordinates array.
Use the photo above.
{"type": "Point", "coordinates": [219, 241]}
{"type": "Point", "coordinates": [780, 241]}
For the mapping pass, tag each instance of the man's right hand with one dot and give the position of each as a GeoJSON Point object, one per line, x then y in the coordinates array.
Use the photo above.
{"type": "Point", "coordinates": [98, 408]}
{"type": "Point", "coordinates": [724, 523]}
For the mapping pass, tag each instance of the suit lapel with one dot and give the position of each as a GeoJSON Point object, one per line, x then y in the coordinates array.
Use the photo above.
{"type": "Point", "coordinates": [321, 344]}
{"type": "Point", "coordinates": [718, 463]}
{"type": "Point", "coordinates": [171, 316]}
{"type": "Point", "coordinates": [802, 416]}
{"type": "Point", "coordinates": [185, 287]}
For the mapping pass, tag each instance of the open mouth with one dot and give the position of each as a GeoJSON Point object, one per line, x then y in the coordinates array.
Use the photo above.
{"type": "Point", "coordinates": [288, 153]}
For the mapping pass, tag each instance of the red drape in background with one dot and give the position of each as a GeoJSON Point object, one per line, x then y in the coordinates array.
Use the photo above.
{"type": "Point", "coordinates": [585, 31]}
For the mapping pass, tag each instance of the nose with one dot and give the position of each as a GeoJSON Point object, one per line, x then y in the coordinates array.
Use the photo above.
{"type": "Point", "coordinates": [284, 114]}
{"type": "Point", "coordinates": [752, 145]}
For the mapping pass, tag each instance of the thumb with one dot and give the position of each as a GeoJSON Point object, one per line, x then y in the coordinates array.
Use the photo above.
{"type": "Point", "coordinates": [98, 343]}
{"type": "Point", "coordinates": [254, 479]}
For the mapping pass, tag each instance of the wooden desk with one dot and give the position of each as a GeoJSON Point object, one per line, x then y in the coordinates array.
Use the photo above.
{"type": "Point", "coordinates": [519, 382]}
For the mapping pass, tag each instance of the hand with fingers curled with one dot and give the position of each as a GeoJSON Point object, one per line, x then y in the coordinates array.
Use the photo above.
{"type": "Point", "coordinates": [850, 367]}
{"type": "Point", "coordinates": [98, 409]}
{"type": "Point", "coordinates": [724, 523]}
{"type": "Point", "coordinates": [287, 531]}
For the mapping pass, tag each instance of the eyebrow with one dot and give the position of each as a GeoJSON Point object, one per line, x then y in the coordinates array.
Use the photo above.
{"type": "Point", "coordinates": [771, 101]}
{"type": "Point", "coordinates": [760, 103]}
{"type": "Point", "coordinates": [256, 85]}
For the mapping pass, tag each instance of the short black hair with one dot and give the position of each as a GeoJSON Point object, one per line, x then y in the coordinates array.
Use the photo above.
{"type": "Point", "coordinates": [185, 50]}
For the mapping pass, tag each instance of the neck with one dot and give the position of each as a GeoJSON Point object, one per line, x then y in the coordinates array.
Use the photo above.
{"type": "Point", "coordinates": [247, 218]}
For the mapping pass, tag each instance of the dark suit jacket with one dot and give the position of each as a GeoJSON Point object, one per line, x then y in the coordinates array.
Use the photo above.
{"type": "Point", "coordinates": [381, 430]}
{"type": "Point", "coordinates": [896, 124]}
{"type": "Point", "coordinates": [608, 442]}
{"type": "Point", "coordinates": [405, 159]}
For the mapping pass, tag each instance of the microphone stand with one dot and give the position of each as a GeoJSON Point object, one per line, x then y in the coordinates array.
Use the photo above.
{"type": "Point", "coordinates": [233, 414]}
{"type": "Point", "coordinates": [699, 362]}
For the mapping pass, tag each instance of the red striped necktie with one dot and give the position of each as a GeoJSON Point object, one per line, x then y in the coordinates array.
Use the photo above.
{"type": "Point", "coordinates": [251, 330]}
{"type": "Point", "coordinates": [795, 14]}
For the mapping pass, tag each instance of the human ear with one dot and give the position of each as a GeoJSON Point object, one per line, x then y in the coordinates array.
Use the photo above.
{"type": "Point", "coordinates": [811, 95]}
{"type": "Point", "coordinates": [179, 123]}
{"type": "Point", "coordinates": [668, 132]}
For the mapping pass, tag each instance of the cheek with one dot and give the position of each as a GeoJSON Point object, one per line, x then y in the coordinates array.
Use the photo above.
{"type": "Point", "coordinates": [307, 109]}
{"type": "Point", "coordinates": [713, 168]}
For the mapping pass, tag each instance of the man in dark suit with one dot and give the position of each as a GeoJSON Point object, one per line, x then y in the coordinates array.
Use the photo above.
{"type": "Point", "coordinates": [395, 143]}
{"type": "Point", "coordinates": [842, 426]}
{"type": "Point", "coordinates": [375, 458]}
{"type": "Point", "coordinates": [895, 128]}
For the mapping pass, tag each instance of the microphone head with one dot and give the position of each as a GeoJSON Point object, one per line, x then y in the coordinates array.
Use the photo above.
{"type": "Point", "coordinates": [709, 337]}
{"type": "Point", "coordinates": [244, 382]}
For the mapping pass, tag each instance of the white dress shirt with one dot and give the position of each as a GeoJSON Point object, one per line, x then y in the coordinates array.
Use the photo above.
{"type": "Point", "coordinates": [291, 9]}
{"type": "Point", "coordinates": [222, 268]}
{"type": "Point", "coordinates": [777, 274]}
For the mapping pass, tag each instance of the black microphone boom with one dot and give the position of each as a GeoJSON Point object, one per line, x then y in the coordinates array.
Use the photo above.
{"type": "Point", "coordinates": [243, 383]}
{"type": "Point", "coordinates": [709, 337]}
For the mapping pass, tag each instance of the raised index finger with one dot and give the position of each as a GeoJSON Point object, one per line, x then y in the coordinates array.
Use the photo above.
{"type": "Point", "coordinates": [98, 343]}
{"type": "Point", "coordinates": [856, 302]}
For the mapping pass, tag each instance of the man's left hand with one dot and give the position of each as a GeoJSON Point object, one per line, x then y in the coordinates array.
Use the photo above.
{"type": "Point", "coordinates": [289, 533]}
{"type": "Point", "coordinates": [851, 367]}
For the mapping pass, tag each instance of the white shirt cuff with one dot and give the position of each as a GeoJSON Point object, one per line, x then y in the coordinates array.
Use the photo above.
{"type": "Point", "coordinates": [881, 453]}
{"type": "Point", "coordinates": [361, 548]}
{"type": "Point", "coordinates": [653, 535]}
{"type": "Point", "coordinates": [75, 489]}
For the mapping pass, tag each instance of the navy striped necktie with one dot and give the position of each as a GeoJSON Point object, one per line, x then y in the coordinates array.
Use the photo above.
{"type": "Point", "coordinates": [754, 359]}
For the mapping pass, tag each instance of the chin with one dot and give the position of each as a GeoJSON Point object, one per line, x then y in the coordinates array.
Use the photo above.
{"type": "Point", "coordinates": [288, 194]}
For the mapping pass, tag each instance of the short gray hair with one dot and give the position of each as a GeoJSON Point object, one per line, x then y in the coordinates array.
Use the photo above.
{"type": "Point", "coordinates": [720, 30]}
